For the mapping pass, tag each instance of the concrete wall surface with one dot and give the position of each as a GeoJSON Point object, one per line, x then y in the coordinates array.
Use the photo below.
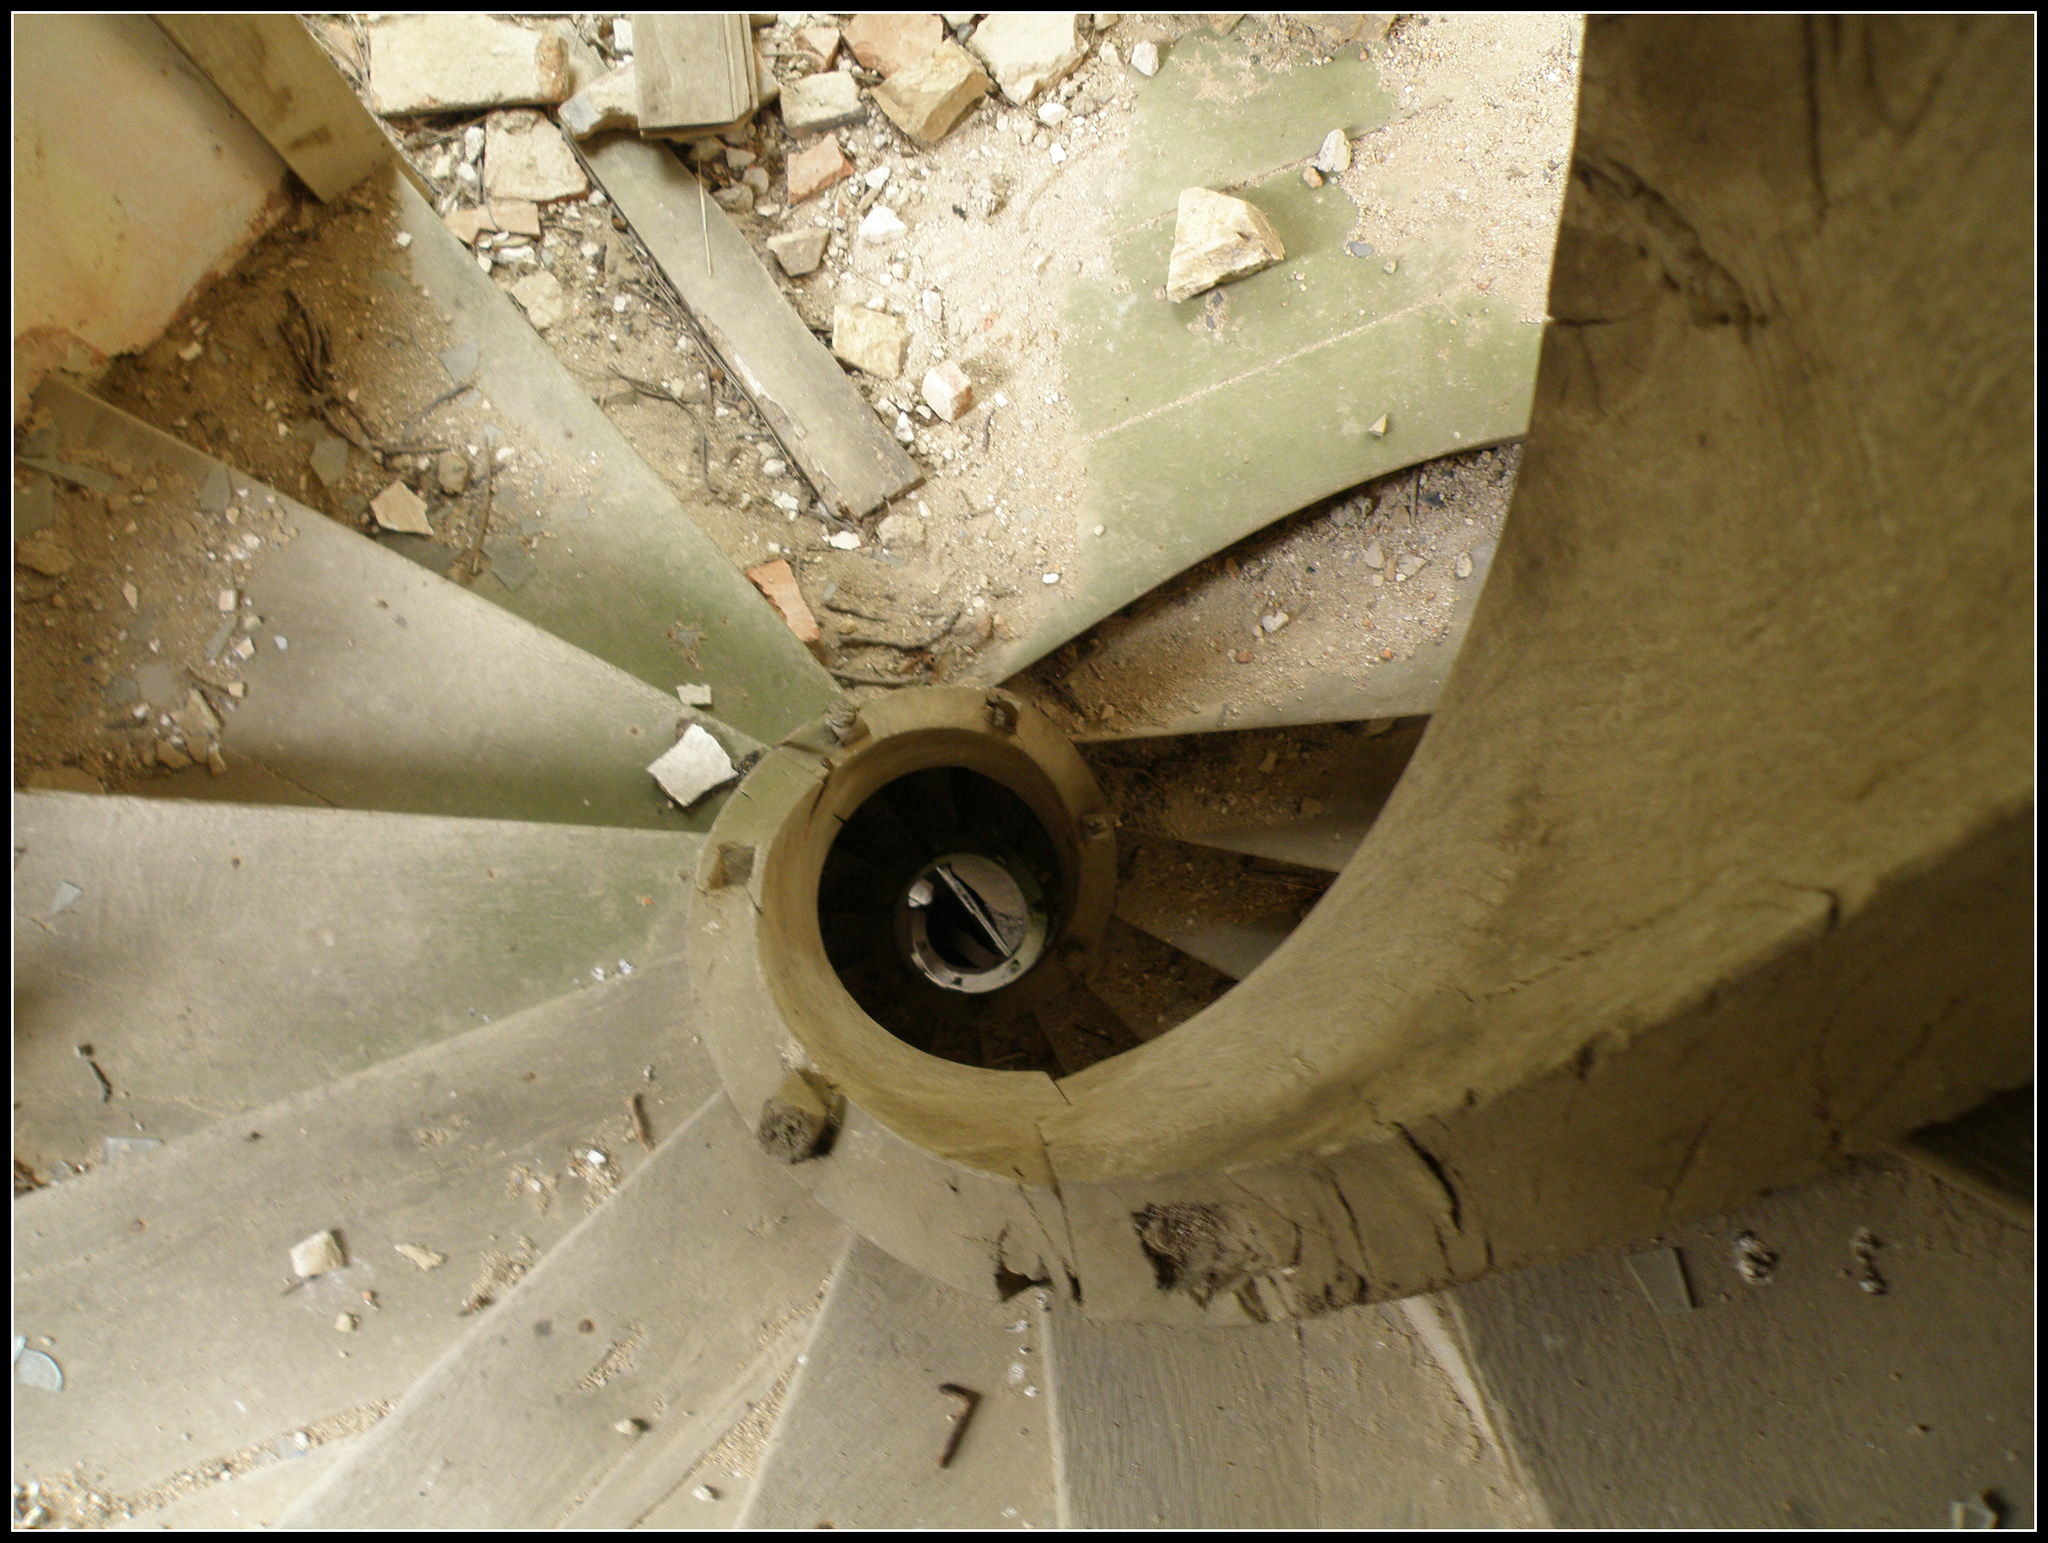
{"type": "Point", "coordinates": [134, 181]}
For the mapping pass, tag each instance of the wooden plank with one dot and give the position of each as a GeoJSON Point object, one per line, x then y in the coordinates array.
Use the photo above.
{"type": "Point", "coordinates": [695, 69]}
{"type": "Point", "coordinates": [269, 66]}
{"type": "Point", "coordinates": [848, 454]}
{"type": "Point", "coordinates": [858, 1444]}
{"type": "Point", "coordinates": [161, 1277]}
{"type": "Point", "coordinates": [1185, 1428]}
{"type": "Point", "coordinates": [701, 1260]}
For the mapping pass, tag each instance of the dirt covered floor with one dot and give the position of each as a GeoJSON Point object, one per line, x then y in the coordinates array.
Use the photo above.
{"type": "Point", "coordinates": [315, 367]}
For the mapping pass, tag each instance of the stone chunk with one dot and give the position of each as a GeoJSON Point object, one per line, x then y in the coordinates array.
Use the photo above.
{"type": "Point", "coordinates": [794, 1120]}
{"type": "Point", "coordinates": [1029, 50]}
{"type": "Point", "coordinates": [777, 581]}
{"type": "Point", "coordinates": [1217, 238]}
{"type": "Point", "coordinates": [450, 60]}
{"type": "Point", "coordinates": [541, 294]}
{"type": "Point", "coordinates": [317, 1255]}
{"type": "Point", "coordinates": [693, 766]}
{"type": "Point", "coordinates": [516, 217]}
{"type": "Point", "coordinates": [947, 390]}
{"type": "Point", "coordinates": [44, 556]}
{"type": "Point", "coordinates": [737, 199]}
{"type": "Point", "coordinates": [900, 530]}
{"type": "Point", "coordinates": [451, 470]}
{"type": "Point", "coordinates": [869, 340]}
{"type": "Point", "coordinates": [468, 224]}
{"type": "Point", "coordinates": [800, 251]}
{"type": "Point", "coordinates": [820, 102]}
{"type": "Point", "coordinates": [398, 507]}
{"type": "Point", "coordinates": [526, 157]}
{"type": "Point", "coordinates": [927, 98]}
{"type": "Point", "coordinates": [612, 101]}
{"type": "Point", "coordinates": [892, 40]}
{"type": "Point", "coordinates": [1335, 155]}
{"type": "Point", "coordinates": [821, 43]}
{"type": "Point", "coordinates": [812, 171]}
{"type": "Point", "coordinates": [1145, 58]}
{"type": "Point", "coordinates": [880, 225]}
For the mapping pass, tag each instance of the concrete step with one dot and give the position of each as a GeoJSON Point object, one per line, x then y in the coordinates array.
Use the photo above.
{"type": "Point", "coordinates": [218, 957]}
{"type": "Point", "coordinates": [1226, 910]}
{"type": "Point", "coordinates": [859, 1442]}
{"type": "Point", "coordinates": [1800, 1400]}
{"type": "Point", "coordinates": [649, 1311]}
{"type": "Point", "coordinates": [162, 1284]}
{"type": "Point", "coordinates": [1314, 807]}
{"type": "Point", "coordinates": [1342, 1421]}
{"type": "Point", "coordinates": [396, 689]}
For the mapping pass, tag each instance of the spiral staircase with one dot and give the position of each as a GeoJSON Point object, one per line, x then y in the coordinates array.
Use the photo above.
{"type": "Point", "coordinates": [778, 1164]}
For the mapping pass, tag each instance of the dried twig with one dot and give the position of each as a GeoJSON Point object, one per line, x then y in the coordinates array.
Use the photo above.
{"type": "Point", "coordinates": [854, 678]}
{"type": "Point", "coordinates": [641, 1132]}
{"type": "Point", "coordinates": [859, 640]}
{"type": "Point", "coordinates": [476, 546]}
{"type": "Point", "coordinates": [449, 395]}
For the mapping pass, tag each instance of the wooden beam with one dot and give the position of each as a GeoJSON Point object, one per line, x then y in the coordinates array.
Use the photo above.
{"type": "Point", "coordinates": [270, 68]}
{"type": "Point", "coordinates": [695, 69]}
{"type": "Point", "coordinates": [847, 452]}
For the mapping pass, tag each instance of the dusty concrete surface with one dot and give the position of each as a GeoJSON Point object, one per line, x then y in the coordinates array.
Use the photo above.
{"type": "Point", "coordinates": [1795, 1397]}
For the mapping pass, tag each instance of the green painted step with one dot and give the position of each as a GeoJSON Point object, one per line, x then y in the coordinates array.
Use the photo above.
{"type": "Point", "coordinates": [396, 689]}
{"type": "Point", "coordinates": [1203, 421]}
{"type": "Point", "coordinates": [859, 1439]}
{"type": "Point", "coordinates": [686, 1277]}
{"type": "Point", "coordinates": [161, 1279]}
{"type": "Point", "coordinates": [631, 564]}
{"type": "Point", "coordinates": [218, 957]}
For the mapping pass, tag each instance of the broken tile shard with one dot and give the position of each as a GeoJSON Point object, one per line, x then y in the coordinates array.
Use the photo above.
{"type": "Point", "coordinates": [451, 60]}
{"type": "Point", "coordinates": [541, 295]}
{"type": "Point", "coordinates": [812, 171]}
{"type": "Point", "coordinates": [1217, 238]}
{"type": "Point", "coordinates": [926, 99]}
{"type": "Point", "coordinates": [398, 507]}
{"type": "Point", "coordinates": [424, 1257]}
{"type": "Point", "coordinates": [869, 340]}
{"type": "Point", "coordinates": [525, 156]}
{"type": "Point", "coordinates": [693, 766]}
{"type": "Point", "coordinates": [777, 581]}
{"type": "Point", "coordinates": [820, 102]}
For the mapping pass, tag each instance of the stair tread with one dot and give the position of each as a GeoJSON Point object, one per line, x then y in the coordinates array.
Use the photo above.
{"type": "Point", "coordinates": [687, 1275]}
{"type": "Point", "coordinates": [1801, 1401]}
{"type": "Point", "coordinates": [636, 546]}
{"type": "Point", "coordinates": [1122, 1464]}
{"type": "Point", "coordinates": [397, 689]}
{"type": "Point", "coordinates": [1212, 906]}
{"type": "Point", "coordinates": [858, 1442]}
{"type": "Point", "coordinates": [185, 1326]}
{"type": "Point", "coordinates": [1345, 1420]}
{"type": "Point", "coordinates": [367, 934]}
{"type": "Point", "coordinates": [1312, 809]}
